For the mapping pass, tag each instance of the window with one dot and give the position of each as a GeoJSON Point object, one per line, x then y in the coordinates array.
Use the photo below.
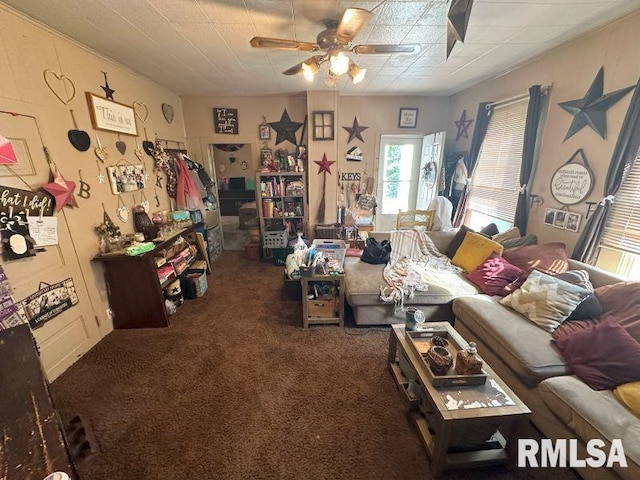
{"type": "Point", "coordinates": [396, 177]}
{"type": "Point", "coordinates": [620, 242]}
{"type": "Point", "coordinates": [496, 179]}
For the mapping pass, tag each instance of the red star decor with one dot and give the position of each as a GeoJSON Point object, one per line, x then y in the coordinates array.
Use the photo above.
{"type": "Point", "coordinates": [61, 190]}
{"type": "Point", "coordinates": [463, 125]}
{"type": "Point", "coordinates": [325, 165]}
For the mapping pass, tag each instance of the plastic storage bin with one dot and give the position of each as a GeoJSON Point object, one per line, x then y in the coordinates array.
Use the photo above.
{"type": "Point", "coordinates": [276, 238]}
{"type": "Point", "coordinates": [335, 249]}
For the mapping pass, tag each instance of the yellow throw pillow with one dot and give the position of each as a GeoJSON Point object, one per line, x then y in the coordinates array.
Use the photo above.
{"type": "Point", "coordinates": [629, 396]}
{"type": "Point", "coordinates": [474, 250]}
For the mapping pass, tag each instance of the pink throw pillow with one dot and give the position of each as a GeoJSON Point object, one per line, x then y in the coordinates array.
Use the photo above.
{"type": "Point", "coordinates": [550, 258]}
{"type": "Point", "coordinates": [494, 274]}
{"type": "Point", "coordinates": [622, 301]}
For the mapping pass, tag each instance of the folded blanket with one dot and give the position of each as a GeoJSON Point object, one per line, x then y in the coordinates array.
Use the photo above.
{"type": "Point", "coordinates": [291, 265]}
{"type": "Point", "coordinates": [415, 263]}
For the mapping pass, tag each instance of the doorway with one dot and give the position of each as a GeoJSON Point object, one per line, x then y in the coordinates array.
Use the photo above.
{"type": "Point", "coordinates": [408, 175]}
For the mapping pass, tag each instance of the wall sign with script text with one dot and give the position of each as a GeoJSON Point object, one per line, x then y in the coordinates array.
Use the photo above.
{"type": "Point", "coordinates": [225, 120]}
{"type": "Point", "coordinates": [111, 116]}
{"type": "Point", "coordinates": [572, 182]}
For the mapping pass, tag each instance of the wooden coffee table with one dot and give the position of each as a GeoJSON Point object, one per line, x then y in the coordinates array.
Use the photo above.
{"type": "Point", "coordinates": [460, 426]}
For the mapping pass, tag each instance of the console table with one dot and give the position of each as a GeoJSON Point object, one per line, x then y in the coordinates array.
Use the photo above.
{"type": "Point", "coordinates": [459, 425]}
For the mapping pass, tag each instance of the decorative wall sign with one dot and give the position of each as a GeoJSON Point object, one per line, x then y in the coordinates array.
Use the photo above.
{"type": "Point", "coordinates": [572, 182]}
{"type": "Point", "coordinates": [349, 177]}
{"type": "Point", "coordinates": [8, 308]}
{"type": "Point", "coordinates": [48, 302]}
{"type": "Point", "coordinates": [167, 112]}
{"type": "Point", "coordinates": [7, 152]}
{"type": "Point", "coordinates": [16, 241]}
{"type": "Point", "coordinates": [354, 154]}
{"type": "Point", "coordinates": [111, 116]}
{"type": "Point", "coordinates": [355, 131]}
{"type": "Point", "coordinates": [323, 125]}
{"type": "Point", "coordinates": [14, 200]}
{"type": "Point", "coordinates": [285, 128]}
{"type": "Point", "coordinates": [463, 126]}
{"type": "Point", "coordinates": [592, 109]}
{"type": "Point", "coordinates": [126, 178]}
{"type": "Point", "coordinates": [60, 85]}
{"type": "Point", "coordinates": [264, 130]}
{"type": "Point", "coordinates": [108, 91]}
{"type": "Point", "coordinates": [408, 118]}
{"type": "Point", "coordinates": [225, 120]}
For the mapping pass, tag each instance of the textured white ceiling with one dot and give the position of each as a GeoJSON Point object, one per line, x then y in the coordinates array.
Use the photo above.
{"type": "Point", "coordinates": [202, 46]}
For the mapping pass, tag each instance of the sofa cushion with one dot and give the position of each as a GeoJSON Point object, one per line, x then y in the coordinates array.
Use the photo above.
{"type": "Point", "coordinates": [550, 258]}
{"type": "Point", "coordinates": [525, 347]}
{"type": "Point", "coordinates": [474, 250]}
{"type": "Point", "coordinates": [511, 234]}
{"type": "Point", "coordinates": [569, 328]}
{"type": "Point", "coordinates": [494, 274]}
{"type": "Point", "coordinates": [363, 282]}
{"type": "Point", "coordinates": [604, 356]}
{"type": "Point", "coordinates": [591, 414]}
{"type": "Point", "coordinates": [528, 239]}
{"type": "Point", "coordinates": [457, 241]}
{"type": "Point", "coordinates": [629, 395]}
{"type": "Point", "coordinates": [545, 300]}
{"type": "Point", "coordinates": [591, 306]}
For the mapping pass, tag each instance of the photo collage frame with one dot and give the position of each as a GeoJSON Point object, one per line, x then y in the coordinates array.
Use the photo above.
{"type": "Point", "coordinates": [562, 219]}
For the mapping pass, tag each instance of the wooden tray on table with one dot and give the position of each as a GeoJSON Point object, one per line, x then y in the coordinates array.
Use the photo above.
{"type": "Point", "coordinates": [420, 343]}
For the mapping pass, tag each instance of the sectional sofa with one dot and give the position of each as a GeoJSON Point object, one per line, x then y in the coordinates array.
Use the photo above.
{"type": "Point", "coordinates": [522, 353]}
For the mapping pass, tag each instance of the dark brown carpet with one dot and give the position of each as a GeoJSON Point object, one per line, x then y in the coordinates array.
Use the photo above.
{"type": "Point", "coordinates": [236, 389]}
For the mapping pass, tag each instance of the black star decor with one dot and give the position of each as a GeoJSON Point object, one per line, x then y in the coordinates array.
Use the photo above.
{"type": "Point", "coordinates": [592, 109]}
{"type": "Point", "coordinates": [355, 131]}
{"type": "Point", "coordinates": [463, 126]}
{"type": "Point", "coordinates": [457, 21]}
{"type": "Point", "coordinates": [285, 129]}
{"type": "Point", "coordinates": [108, 91]}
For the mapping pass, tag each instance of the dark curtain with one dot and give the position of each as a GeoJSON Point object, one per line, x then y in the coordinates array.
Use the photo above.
{"type": "Point", "coordinates": [534, 110]}
{"type": "Point", "coordinates": [479, 131]}
{"type": "Point", "coordinates": [622, 160]}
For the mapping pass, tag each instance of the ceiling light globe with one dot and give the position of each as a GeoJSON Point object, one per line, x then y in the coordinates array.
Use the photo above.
{"type": "Point", "coordinates": [339, 64]}
{"type": "Point", "coordinates": [357, 75]}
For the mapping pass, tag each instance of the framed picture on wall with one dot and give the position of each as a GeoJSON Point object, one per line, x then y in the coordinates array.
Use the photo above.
{"type": "Point", "coordinates": [408, 118]}
{"type": "Point", "coordinates": [264, 131]}
{"type": "Point", "coordinates": [573, 222]}
{"type": "Point", "coordinates": [560, 219]}
{"type": "Point", "coordinates": [549, 216]}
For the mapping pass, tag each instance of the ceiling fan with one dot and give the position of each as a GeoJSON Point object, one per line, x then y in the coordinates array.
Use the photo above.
{"type": "Point", "coordinates": [335, 40]}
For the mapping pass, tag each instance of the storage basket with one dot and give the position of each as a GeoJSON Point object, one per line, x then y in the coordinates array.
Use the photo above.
{"type": "Point", "coordinates": [334, 249]}
{"type": "Point", "coordinates": [329, 231]}
{"type": "Point", "coordinates": [275, 238]}
{"type": "Point", "coordinates": [193, 285]}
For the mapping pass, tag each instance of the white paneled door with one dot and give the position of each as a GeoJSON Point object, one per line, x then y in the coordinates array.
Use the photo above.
{"type": "Point", "coordinates": [69, 335]}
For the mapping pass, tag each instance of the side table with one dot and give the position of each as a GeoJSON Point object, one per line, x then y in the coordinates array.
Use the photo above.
{"type": "Point", "coordinates": [323, 310]}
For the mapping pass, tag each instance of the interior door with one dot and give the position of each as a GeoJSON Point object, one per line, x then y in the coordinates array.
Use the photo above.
{"type": "Point", "coordinates": [399, 172]}
{"type": "Point", "coordinates": [67, 336]}
{"type": "Point", "coordinates": [430, 165]}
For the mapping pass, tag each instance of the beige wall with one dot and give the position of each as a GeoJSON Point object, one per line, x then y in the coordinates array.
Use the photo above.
{"type": "Point", "coordinates": [570, 69]}
{"type": "Point", "coordinates": [380, 114]}
{"type": "Point", "coordinates": [26, 50]}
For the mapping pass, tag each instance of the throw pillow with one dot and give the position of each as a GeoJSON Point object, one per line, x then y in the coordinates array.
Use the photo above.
{"type": "Point", "coordinates": [591, 307]}
{"type": "Point", "coordinates": [550, 258]}
{"type": "Point", "coordinates": [622, 301]}
{"type": "Point", "coordinates": [603, 357]}
{"type": "Point", "coordinates": [474, 250]}
{"type": "Point", "coordinates": [457, 241]}
{"type": "Point", "coordinates": [545, 300]}
{"type": "Point", "coordinates": [629, 395]}
{"type": "Point", "coordinates": [569, 328]}
{"type": "Point", "coordinates": [490, 230]}
{"type": "Point", "coordinates": [512, 233]}
{"type": "Point", "coordinates": [529, 239]}
{"type": "Point", "coordinates": [494, 274]}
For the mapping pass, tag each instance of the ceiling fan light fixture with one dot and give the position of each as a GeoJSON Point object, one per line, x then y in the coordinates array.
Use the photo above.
{"type": "Point", "coordinates": [356, 73]}
{"type": "Point", "coordinates": [309, 70]}
{"type": "Point", "coordinates": [339, 63]}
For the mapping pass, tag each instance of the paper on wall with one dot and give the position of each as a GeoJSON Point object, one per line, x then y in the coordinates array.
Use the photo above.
{"type": "Point", "coordinates": [43, 230]}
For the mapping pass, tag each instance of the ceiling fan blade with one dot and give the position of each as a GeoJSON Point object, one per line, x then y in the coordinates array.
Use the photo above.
{"type": "Point", "coordinates": [352, 21]}
{"type": "Point", "coordinates": [317, 59]}
{"type": "Point", "coordinates": [265, 42]}
{"type": "Point", "coordinates": [386, 49]}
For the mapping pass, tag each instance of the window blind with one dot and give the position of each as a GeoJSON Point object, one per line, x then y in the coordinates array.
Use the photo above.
{"type": "Point", "coordinates": [496, 180]}
{"type": "Point", "coordinates": [622, 231]}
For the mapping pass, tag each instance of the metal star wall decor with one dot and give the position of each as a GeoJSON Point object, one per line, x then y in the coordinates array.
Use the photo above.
{"type": "Point", "coordinates": [62, 190]}
{"type": "Point", "coordinates": [325, 165]}
{"type": "Point", "coordinates": [108, 91]}
{"type": "Point", "coordinates": [592, 109]}
{"type": "Point", "coordinates": [457, 22]}
{"type": "Point", "coordinates": [355, 131]}
{"type": "Point", "coordinates": [463, 125]}
{"type": "Point", "coordinates": [285, 129]}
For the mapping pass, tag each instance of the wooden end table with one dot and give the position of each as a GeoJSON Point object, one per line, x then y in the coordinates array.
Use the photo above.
{"type": "Point", "coordinates": [460, 426]}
